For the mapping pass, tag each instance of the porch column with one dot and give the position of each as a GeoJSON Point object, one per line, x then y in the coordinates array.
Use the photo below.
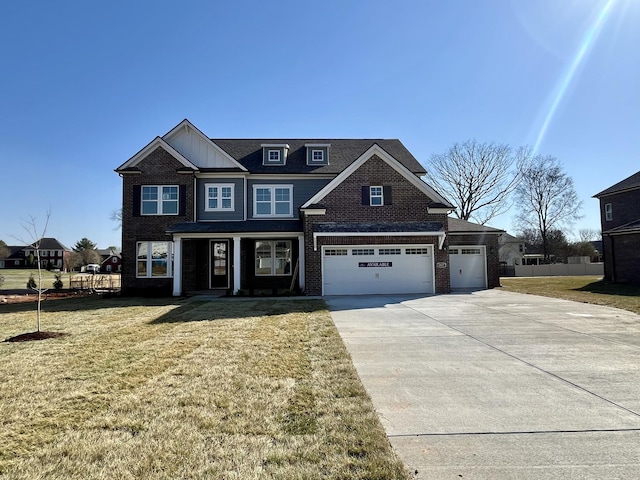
{"type": "Point", "coordinates": [301, 261]}
{"type": "Point", "coordinates": [236, 264]}
{"type": "Point", "coordinates": [177, 267]}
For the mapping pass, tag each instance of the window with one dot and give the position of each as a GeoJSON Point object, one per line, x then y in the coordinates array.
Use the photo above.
{"type": "Point", "coordinates": [273, 257]}
{"type": "Point", "coordinates": [362, 251]}
{"type": "Point", "coordinates": [159, 200]}
{"type": "Point", "coordinates": [416, 251]}
{"type": "Point", "coordinates": [470, 251]}
{"type": "Point", "coordinates": [389, 251]}
{"type": "Point", "coordinates": [272, 201]}
{"type": "Point", "coordinates": [219, 197]}
{"type": "Point", "coordinates": [608, 212]}
{"type": "Point", "coordinates": [317, 155]}
{"type": "Point", "coordinates": [335, 252]}
{"type": "Point", "coordinates": [274, 155]}
{"type": "Point", "coordinates": [154, 259]}
{"type": "Point", "coordinates": [375, 196]}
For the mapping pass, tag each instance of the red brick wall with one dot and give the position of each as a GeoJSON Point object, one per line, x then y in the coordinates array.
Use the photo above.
{"type": "Point", "coordinates": [158, 168]}
{"type": "Point", "coordinates": [344, 204]}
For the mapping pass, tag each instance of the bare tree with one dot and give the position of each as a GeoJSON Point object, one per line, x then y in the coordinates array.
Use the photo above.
{"type": "Point", "coordinates": [478, 177]}
{"type": "Point", "coordinates": [30, 226]}
{"type": "Point", "coordinates": [546, 199]}
{"type": "Point", "coordinates": [589, 235]}
{"type": "Point", "coordinates": [116, 216]}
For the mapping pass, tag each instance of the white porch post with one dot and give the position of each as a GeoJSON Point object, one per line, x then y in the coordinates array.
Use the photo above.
{"type": "Point", "coordinates": [301, 261]}
{"type": "Point", "coordinates": [177, 267]}
{"type": "Point", "coordinates": [236, 264]}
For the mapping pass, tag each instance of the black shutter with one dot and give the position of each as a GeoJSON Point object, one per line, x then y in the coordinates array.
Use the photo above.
{"type": "Point", "coordinates": [386, 192]}
{"type": "Point", "coordinates": [183, 200]}
{"type": "Point", "coordinates": [137, 198]}
{"type": "Point", "coordinates": [365, 196]}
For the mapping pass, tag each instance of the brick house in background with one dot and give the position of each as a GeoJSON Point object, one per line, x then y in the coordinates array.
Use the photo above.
{"type": "Point", "coordinates": [620, 221]}
{"type": "Point", "coordinates": [53, 255]}
{"type": "Point", "coordinates": [320, 216]}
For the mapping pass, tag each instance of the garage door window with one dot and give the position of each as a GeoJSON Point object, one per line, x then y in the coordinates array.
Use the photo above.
{"type": "Point", "coordinates": [471, 251]}
{"type": "Point", "coordinates": [363, 251]}
{"type": "Point", "coordinates": [335, 252]}
{"type": "Point", "coordinates": [416, 251]}
{"type": "Point", "coordinates": [390, 251]}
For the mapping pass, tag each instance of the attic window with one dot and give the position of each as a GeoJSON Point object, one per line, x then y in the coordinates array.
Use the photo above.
{"type": "Point", "coordinates": [274, 153]}
{"type": "Point", "coordinates": [317, 153]}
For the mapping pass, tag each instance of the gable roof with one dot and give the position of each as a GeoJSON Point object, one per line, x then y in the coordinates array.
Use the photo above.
{"type": "Point", "coordinates": [48, 243]}
{"type": "Point", "coordinates": [150, 147]}
{"type": "Point", "coordinates": [629, 183]}
{"type": "Point", "coordinates": [375, 149]}
{"type": "Point", "coordinates": [342, 153]}
{"type": "Point", "coordinates": [457, 225]}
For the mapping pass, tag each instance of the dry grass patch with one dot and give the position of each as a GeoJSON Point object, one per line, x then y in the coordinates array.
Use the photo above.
{"type": "Point", "coordinates": [587, 289]}
{"type": "Point", "coordinates": [186, 389]}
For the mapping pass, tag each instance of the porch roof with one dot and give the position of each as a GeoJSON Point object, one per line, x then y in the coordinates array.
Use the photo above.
{"type": "Point", "coordinates": [237, 227]}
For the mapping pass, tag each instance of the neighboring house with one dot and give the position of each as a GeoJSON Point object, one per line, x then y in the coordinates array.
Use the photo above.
{"type": "Point", "coordinates": [316, 216]}
{"type": "Point", "coordinates": [512, 250]}
{"type": "Point", "coordinates": [15, 259]}
{"type": "Point", "coordinates": [111, 260]}
{"type": "Point", "coordinates": [620, 221]}
{"type": "Point", "coordinates": [473, 255]}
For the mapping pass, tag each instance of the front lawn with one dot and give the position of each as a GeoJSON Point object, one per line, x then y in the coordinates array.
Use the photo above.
{"type": "Point", "coordinates": [166, 389]}
{"type": "Point", "coordinates": [580, 289]}
{"type": "Point", "coordinates": [16, 278]}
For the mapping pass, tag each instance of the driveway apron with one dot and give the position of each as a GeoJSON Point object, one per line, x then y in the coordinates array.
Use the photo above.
{"type": "Point", "coordinates": [499, 385]}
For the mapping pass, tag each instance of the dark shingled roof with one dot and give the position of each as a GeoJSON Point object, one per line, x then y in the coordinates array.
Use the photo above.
{"type": "Point", "coordinates": [237, 227]}
{"type": "Point", "coordinates": [628, 183]}
{"type": "Point", "coordinates": [342, 153]}
{"type": "Point", "coordinates": [386, 227]}
{"type": "Point", "coordinates": [457, 225]}
{"type": "Point", "coordinates": [630, 227]}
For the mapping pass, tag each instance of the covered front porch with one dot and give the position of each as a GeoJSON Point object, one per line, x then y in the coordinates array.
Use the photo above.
{"type": "Point", "coordinates": [214, 257]}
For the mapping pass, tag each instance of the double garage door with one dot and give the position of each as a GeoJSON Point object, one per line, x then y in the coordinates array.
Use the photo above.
{"type": "Point", "coordinates": [377, 269]}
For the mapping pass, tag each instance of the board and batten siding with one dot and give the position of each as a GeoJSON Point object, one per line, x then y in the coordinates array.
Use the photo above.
{"type": "Point", "coordinates": [200, 152]}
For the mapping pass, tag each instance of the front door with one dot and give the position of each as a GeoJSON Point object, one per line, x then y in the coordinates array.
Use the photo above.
{"type": "Point", "coordinates": [219, 264]}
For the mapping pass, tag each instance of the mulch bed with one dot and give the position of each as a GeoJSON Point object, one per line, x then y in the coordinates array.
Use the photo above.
{"type": "Point", "coordinates": [31, 336]}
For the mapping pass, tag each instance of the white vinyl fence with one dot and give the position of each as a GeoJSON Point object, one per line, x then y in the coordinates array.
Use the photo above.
{"type": "Point", "coordinates": [560, 270]}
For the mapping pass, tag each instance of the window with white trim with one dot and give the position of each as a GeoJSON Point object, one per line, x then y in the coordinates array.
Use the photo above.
{"type": "Point", "coordinates": [273, 257]}
{"type": "Point", "coordinates": [376, 197]}
{"type": "Point", "coordinates": [273, 200]}
{"type": "Point", "coordinates": [362, 251]}
{"type": "Point", "coordinates": [416, 251]}
{"type": "Point", "coordinates": [317, 155]}
{"type": "Point", "coordinates": [159, 200]}
{"type": "Point", "coordinates": [608, 212]}
{"type": "Point", "coordinates": [335, 252]}
{"type": "Point", "coordinates": [273, 156]}
{"type": "Point", "coordinates": [219, 197]}
{"type": "Point", "coordinates": [389, 251]}
{"type": "Point", "coordinates": [154, 259]}
{"type": "Point", "coordinates": [470, 251]}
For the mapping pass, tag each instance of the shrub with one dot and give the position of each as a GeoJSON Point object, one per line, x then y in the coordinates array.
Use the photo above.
{"type": "Point", "coordinates": [57, 283]}
{"type": "Point", "coordinates": [31, 283]}
{"type": "Point", "coordinates": [1, 280]}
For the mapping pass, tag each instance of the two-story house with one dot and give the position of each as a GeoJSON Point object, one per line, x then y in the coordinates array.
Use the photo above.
{"type": "Point", "coordinates": [620, 221]}
{"type": "Point", "coordinates": [319, 216]}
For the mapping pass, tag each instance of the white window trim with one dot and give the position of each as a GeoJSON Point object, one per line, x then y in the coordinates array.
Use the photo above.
{"type": "Point", "coordinates": [149, 259]}
{"type": "Point", "coordinates": [219, 186]}
{"type": "Point", "coordinates": [159, 200]}
{"type": "Point", "coordinates": [313, 154]}
{"type": "Point", "coordinates": [608, 212]}
{"type": "Point", "coordinates": [272, 244]}
{"type": "Point", "coordinates": [273, 201]}
{"type": "Point", "coordinates": [271, 160]}
{"type": "Point", "coordinates": [371, 196]}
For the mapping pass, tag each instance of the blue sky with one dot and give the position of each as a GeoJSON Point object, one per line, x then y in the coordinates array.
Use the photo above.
{"type": "Point", "coordinates": [85, 85]}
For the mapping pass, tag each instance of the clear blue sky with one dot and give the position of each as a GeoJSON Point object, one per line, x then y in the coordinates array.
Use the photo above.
{"type": "Point", "coordinates": [85, 85]}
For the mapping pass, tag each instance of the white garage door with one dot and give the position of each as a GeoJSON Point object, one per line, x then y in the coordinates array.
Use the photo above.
{"type": "Point", "coordinates": [468, 267]}
{"type": "Point", "coordinates": [377, 269]}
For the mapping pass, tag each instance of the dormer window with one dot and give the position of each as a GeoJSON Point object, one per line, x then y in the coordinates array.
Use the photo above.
{"type": "Point", "coordinates": [317, 153]}
{"type": "Point", "coordinates": [274, 154]}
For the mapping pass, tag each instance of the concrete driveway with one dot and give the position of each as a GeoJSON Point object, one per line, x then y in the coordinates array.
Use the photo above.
{"type": "Point", "coordinates": [497, 385]}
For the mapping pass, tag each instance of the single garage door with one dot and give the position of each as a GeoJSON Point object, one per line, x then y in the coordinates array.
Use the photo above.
{"type": "Point", "coordinates": [377, 269]}
{"type": "Point", "coordinates": [468, 267]}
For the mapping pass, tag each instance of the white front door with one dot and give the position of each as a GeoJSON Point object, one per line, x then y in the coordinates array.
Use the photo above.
{"type": "Point", "coordinates": [377, 269]}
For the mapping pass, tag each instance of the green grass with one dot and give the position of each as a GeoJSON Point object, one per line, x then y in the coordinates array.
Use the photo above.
{"type": "Point", "coordinates": [588, 289]}
{"type": "Point", "coordinates": [17, 278]}
{"type": "Point", "coordinates": [165, 389]}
